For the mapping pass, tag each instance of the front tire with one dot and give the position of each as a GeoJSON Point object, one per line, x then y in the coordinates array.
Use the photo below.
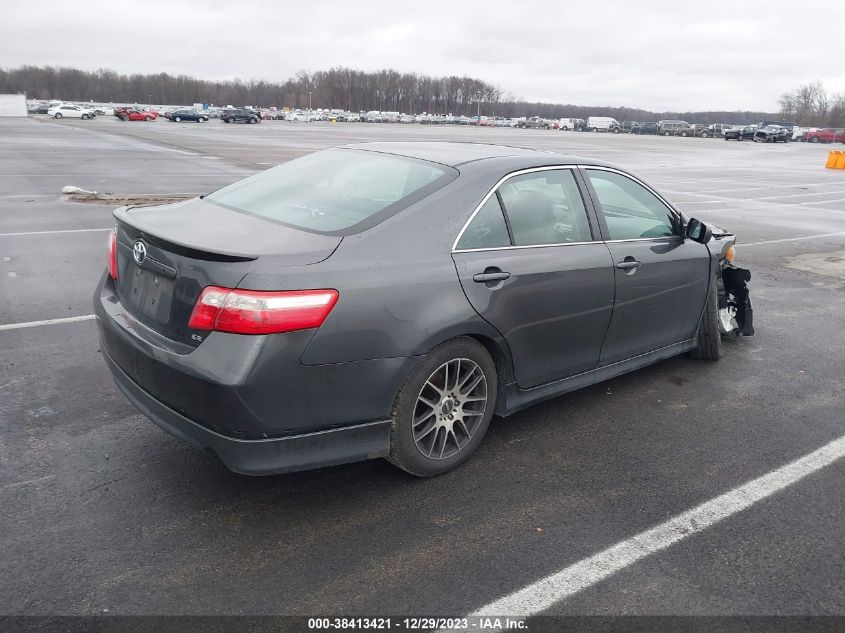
{"type": "Point", "coordinates": [443, 409]}
{"type": "Point", "coordinates": [58, 115]}
{"type": "Point", "coordinates": [709, 346]}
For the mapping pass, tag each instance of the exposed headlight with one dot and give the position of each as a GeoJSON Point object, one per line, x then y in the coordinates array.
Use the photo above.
{"type": "Point", "coordinates": [729, 254]}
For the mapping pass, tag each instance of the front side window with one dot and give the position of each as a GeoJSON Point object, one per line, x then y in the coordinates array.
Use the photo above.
{"type": "Point", "coordinates": [545, 207]}
{"type": "Point", "coordinates": [335, 191]}
{"type": "Point", "coordinates": [630, 210]}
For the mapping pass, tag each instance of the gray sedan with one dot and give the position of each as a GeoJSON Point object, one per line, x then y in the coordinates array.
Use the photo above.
{"type": "Point", "coordinates": [387, 299]}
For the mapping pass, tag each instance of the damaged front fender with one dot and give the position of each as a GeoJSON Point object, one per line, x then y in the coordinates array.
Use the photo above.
{"type": "Point", "coordinates": [737, 301]}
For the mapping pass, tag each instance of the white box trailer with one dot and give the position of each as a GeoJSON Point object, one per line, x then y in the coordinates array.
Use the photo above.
{"type": "Point", "coordinates": [12, 105]}
{"type": "Point", "coordinates": [603, 124]}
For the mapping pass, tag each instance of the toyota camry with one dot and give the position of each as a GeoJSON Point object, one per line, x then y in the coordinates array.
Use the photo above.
{"type": "Point", "coordinates": [385, 300]}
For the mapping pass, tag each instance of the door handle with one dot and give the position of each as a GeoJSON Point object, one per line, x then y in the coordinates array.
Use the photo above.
{"type": "Point", "coordinates": [491, 276]}
{"type": "Point", "coordinates": [628, 264]}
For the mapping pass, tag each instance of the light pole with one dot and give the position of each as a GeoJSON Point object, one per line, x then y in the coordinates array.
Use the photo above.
{"type": "Point", "coordinates": [309, 101]}
{"type": "Point", "coordinates": [478, 101]}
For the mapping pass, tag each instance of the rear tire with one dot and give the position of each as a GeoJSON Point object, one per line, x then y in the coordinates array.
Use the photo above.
{"type": "Point", "coordinates": [709, 345]}
{"type": "Point", "coordinates": [458, 378]}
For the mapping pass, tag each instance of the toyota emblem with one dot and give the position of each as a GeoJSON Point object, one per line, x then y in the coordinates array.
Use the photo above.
{"type": "Point", "coordinates": [139, 252]}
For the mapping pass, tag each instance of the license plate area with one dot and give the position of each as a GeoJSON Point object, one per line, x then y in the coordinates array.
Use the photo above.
{"type": "Point", "coordinates": [149, 296]}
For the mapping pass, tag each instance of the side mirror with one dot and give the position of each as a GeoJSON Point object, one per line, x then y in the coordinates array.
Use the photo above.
{"type": "Point", "coordinates": [698, 231]}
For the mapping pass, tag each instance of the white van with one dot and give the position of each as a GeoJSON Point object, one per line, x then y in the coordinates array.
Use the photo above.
{"type": "Point", "coordinates": [603, 124]}
{"type": "Point", "coordinates": [571, 124]}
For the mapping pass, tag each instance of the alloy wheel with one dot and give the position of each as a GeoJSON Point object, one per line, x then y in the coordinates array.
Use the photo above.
{"type": "Point", "coordinates": [449, 408]}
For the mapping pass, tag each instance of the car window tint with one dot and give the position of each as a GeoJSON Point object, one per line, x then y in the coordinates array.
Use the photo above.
{"type": "Point", "coordinates": [545, 207]}
{"type": "Point", "coordinates": [630, 210]}
{"type": "Point", "coordinates": [335, 190]}
{"type": "Point", "coordinates": [487, 229]}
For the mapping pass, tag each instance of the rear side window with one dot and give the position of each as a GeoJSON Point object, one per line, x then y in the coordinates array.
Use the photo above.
{"type": "Point", "coordinates": [487, 229]}
{"type": "Point", "coordinates": [630, 210]}
{"type": "Point", "coordinates": [335, 191]}
{"type": "Point", "coordinates": [545, 207]}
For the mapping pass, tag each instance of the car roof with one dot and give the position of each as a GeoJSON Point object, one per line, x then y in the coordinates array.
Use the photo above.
{"type": "Point", "coordinates": [454, 154]}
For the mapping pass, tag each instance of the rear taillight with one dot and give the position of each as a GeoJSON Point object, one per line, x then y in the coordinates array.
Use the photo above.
{"type": "Point", "coordinates": [113, 254]}
{"type": "Point", "coordinates": [261, 312]}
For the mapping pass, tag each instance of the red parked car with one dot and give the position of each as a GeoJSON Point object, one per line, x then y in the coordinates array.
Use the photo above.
{"type": "Point", "coordinates": [134, 114]}
{"type": "Point", "coordinates": [826, 135]}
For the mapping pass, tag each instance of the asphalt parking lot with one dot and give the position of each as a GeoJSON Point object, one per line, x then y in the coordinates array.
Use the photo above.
{"type": "Point", "coordinates": [103, 512]}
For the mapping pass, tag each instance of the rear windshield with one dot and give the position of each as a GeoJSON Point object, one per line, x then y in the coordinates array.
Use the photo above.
{"type": "Point", "coordinates": [335, 191]}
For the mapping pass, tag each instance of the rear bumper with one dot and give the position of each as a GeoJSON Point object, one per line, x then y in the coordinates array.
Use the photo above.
{"type": "Point", "coordinates": [265, 456]}
{"type": "Point", "coordinates": [250, 398]}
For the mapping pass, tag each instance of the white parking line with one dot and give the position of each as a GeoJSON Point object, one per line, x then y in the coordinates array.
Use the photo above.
{"type": "Point", "coordinates": [51, 232]}
{"type": "Point", "coordinates": [801, 195]}
{"type": "Point", "coordinates": [20, 326]}
{"type": "Point", "coordinates": [791, 239]}
{"type": "Point", "coordinates": [543, 594]}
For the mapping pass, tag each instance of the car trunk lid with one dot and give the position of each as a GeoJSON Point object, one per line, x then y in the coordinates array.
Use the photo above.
{"type": "Point", "coordinates": [167, 254]}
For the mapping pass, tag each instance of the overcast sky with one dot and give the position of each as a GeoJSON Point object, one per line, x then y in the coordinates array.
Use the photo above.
{"type": "Point", "coordinates": [652, 54]}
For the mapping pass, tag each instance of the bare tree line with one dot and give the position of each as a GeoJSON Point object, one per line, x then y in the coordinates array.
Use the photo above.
{"type": "Point", "coordinates": [811, 104]}
{"type": "Point", "coordinates": [346, 88]}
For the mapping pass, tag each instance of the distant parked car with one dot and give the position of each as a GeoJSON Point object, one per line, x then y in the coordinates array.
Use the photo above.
{"type": "Point", "coordinates": [576, 125]}
{"type": "Point", "coordinates": [675, 128]}
{"type": "Point", "coordinates": [38, 108]}
{"type": "Point", "coordinates": [826, 135]}
{"type": "Point", "coordinates": [772, 134]}
{"type": "Point", "coordinates": [799, 133]}
{"type": "Point", "coordinates": [701, 130]}
{"type": "Point", "coordinates": [66, 111]}
{"type": "Point", "coordinates": [240, 115]}
{"type": "Point", "coordinates": [716, 129]}
{"type": "Point", "coordinates": [740, 133]}
{"type": "Point", "coordinates": [645, 128]}
{"type": "Point", "coordinates": [134, 114]}
{"type": "Point", "coordinates": [534, 122]}
{"type": "Point", "coordinates": [787, 124]}
{"type": "Point", "coordinates": [627, 126]}
{"type": "Point", "coordinates": [603, 124]}
{"type": "Point", "coordinates": [187, 115]}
